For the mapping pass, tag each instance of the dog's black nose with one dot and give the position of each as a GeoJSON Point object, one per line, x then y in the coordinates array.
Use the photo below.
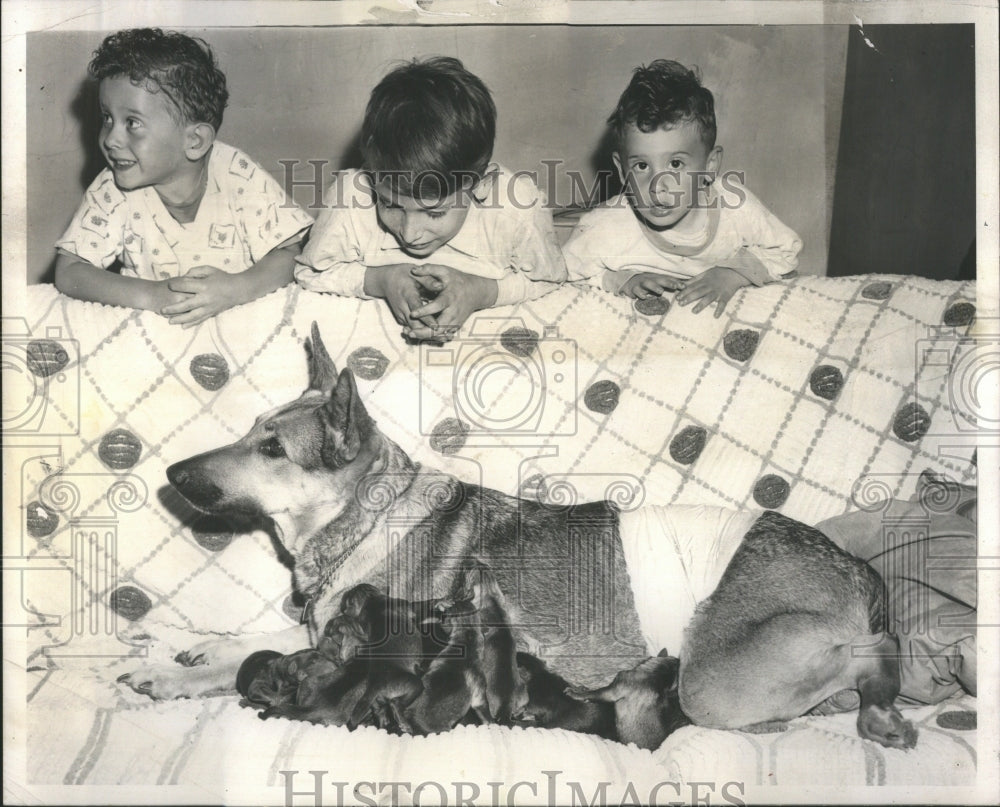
{"type": "Point", "coordinates": [177, 476]}
{"type": "Point", "coordinates": [192, 482]}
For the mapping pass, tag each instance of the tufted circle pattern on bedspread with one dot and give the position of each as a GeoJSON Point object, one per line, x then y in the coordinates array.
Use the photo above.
{"type": "Point", "coordinates": [705, 410]}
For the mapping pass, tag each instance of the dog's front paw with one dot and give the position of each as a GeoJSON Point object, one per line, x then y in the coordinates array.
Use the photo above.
{"type": "Point", "coordinates": [887, 727]}
{"type": "Point", "coordinates": [160, 682]}
{"type": "Point", "coordinates": [169, 681]}
{"type": "Point", "coordinates": [202, 653]}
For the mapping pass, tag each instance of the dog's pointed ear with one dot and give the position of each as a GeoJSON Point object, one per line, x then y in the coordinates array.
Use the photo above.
{"type": "Point", "coordinates": [346, 420]}
{"type": "Point", "coordinates": [322, 372]}
{"type": "Point", "coordinates": [673, 669]}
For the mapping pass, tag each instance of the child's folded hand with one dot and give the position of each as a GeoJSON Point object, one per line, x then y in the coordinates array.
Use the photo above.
{"type": "Point", "coordinates": [456, 296]}
{"type": "Point", "coordinates": [716, 285]}
{"type": "Point", "coordinates": [208, 291]}
{"type": "Point", "coordinates": [164, 297]}
{"type": "Point", "coordinates": [402, 293]}
{"type": "Point", "coordinates": [649, 284]}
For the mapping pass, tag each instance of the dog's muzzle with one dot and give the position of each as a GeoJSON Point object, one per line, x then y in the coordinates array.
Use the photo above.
{"type": "Point", "coordinates": [194, 485]}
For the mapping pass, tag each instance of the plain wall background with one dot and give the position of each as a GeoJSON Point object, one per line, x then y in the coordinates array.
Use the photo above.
{"type": "Point", "coordinates": [299, 94]}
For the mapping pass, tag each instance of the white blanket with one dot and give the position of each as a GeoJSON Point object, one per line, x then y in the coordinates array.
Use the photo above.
{"type": "Point", "coordinates": [806, 397]}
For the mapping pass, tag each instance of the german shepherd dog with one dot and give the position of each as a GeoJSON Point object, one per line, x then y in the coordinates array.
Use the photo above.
{"type": "Point", "coordinates": [793, 621]}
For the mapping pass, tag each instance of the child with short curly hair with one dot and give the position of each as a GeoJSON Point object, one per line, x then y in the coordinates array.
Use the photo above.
{"type": "Point", "coordinates": [195, 226]}
{"type": "Point", "coordinates": [675, 227]}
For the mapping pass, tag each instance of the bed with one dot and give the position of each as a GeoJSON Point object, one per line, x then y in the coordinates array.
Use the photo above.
{"type": "Point", "coordinates": [818, 397]}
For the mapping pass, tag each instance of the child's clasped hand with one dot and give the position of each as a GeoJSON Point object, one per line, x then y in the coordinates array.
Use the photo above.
{"type": "Point", "coordinates": [206, 291]}
{"type": "Point", "coordinates": [455, 297]}
{"type": "Point", "coordinates": [716, 285]}
{"type": "Point", "coordinates": [644, 285]}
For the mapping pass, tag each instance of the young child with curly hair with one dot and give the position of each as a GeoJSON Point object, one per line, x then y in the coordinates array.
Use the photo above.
{"type": "Point", "coordinates": [676, 227]}
{"type": "Point", "coordinates": [192, 225]}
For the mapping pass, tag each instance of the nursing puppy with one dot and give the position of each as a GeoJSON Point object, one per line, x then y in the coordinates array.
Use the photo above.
{"type": "Point", "coordinates": [454, 682]}
{"type": "Point", "coordinates": [391, 650]}
{"type": "Point", "coordinates": [645, 701]}
{"type": "Point", "coordinates": [506, 693]}
{"type": "Point", "coordinates": [305, 685]}
{"type": "Point", "coordinates": [549, 706]}
{"type": "Point", "coordinates": [348, 504]}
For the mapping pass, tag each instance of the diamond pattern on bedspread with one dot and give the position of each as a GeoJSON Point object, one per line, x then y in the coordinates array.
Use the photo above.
{"type": "Point", "coordinates": [794, 397]}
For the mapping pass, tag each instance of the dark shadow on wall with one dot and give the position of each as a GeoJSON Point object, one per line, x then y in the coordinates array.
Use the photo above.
{"type": "Point", "coordinates": [905, 194]}
{"type": "Point", "coordinates": [608, 181]}
{"type": "Point", "coordinates": [86, 109]}
{"type": "Point", "coordinates": [352, 156]}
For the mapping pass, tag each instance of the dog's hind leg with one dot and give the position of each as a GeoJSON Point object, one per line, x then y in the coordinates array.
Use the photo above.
{"type": "Point", "coordinates": [788, 664]}
{"type": "Point", "coordinates": [776, 669]}
{"type": "Point", "coordinates": [878, 718]}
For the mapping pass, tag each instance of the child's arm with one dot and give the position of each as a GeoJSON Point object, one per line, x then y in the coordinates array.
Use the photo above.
{"type": "Point", "coordinates": [208, 291]}
{"type": "Point", "coordinates": [585, 249]}
{"type": "Point", "coordinates": [770, 248]}
{"type": "Point", "coordinates": [333, 261]}
{"type": "Point", "coordinates": [460, 294]}
{"type": "Point", "coordinates": [90, 246]}
{"type": "Point", "coordinates": [82, 280]}
{"type": "Point", "coordinates": [770, 252]}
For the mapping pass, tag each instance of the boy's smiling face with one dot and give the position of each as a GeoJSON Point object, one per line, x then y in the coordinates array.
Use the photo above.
{"type": "Point", "coordinates": [145, 141]}
{"type": "Point", "coordinates": [420, 227]}
{"type": "Point", "coordinates": [665, 172]}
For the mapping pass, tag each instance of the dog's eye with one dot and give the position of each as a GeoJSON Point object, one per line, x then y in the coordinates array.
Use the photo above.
{"type": "Point", "coordinates": [271, 448]}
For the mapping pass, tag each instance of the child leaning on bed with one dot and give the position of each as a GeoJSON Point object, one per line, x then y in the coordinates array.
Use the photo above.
{"type": "Point", "coordinates": [429, 224]}
{"type": "Point", "coordinates": [196, 226]}
{"type": "Point", "coordinates": [672, 228]}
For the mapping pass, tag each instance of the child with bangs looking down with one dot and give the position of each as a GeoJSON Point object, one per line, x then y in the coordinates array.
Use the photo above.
{"type": "Point", "coordinates": [430, 224]}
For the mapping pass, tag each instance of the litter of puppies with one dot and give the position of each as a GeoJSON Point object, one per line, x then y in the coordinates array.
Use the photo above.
{"type": "Point", "coordinates": [425, 667]}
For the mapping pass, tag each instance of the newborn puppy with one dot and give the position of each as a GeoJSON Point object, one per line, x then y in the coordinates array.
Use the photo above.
{"type": "Point", "coordinates": [267, 678]}
{"type": "Point", "coordinates": [550, 707]}
{"type": "Point", "coordinates": [647, 707]}
{"type": "Point", "coordinates": [341, 638]}
{"type": "Point", "coordinates": [454, 682]}
{"type": "Point", "coordinates": [260, 684]}
{"type": "Point", "coordinates": [305, 685]}
{"type": "Point", "coordinates": [391, 650]}
{"type": "Point", "coordinates": [506, 693]}
{"type": "Point", "coordinates": [329, 699]}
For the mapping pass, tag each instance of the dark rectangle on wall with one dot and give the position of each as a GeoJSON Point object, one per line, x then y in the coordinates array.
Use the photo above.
{"type": "Point", "coordinates": [905, 191]}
